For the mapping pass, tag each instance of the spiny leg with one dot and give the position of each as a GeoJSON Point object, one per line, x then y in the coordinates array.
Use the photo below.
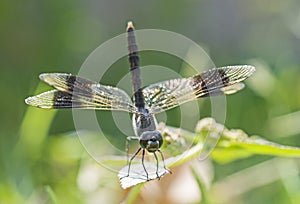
{"type": "Point", "coordinates": [156, 165]}
{"type": "Point", "coordinates": [127, 150]}
{"type": "Point", "coordinates": [143, 155]}
{"type": "Point", "coordinates": [127, 146]}
{"type": "Point", "coordinates": [163, 160]}
{"type": "Point", "coordinates": [129, 165]}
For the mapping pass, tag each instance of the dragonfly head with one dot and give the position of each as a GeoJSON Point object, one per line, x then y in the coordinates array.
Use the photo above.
{"type": "Point", "coordinates": [151, 140]}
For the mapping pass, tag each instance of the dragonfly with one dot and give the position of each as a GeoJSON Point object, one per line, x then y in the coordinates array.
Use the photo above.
{"type": "Point", "coordinates": [75, 92]}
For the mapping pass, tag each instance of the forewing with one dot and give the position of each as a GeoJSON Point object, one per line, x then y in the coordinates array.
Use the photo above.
{"type": "Point", "coordinates": [77, 92]}
{"type": "Point", "coordinates": [171, 93]}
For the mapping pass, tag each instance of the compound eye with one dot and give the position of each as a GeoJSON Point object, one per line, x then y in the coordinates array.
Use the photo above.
{"type": "Point", "coordinates": [151, 140]}
{"type": "Point", "coordinates": [159, 139]}
{"type": "Point", "coordinates": [143, 143]}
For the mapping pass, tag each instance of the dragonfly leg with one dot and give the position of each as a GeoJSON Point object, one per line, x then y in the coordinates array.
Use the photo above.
{"type": "Point", "coordinates": [156, 165]}
{"type": "Point", "coordinates": [143, 155]}
{"type": "Point", "coordinates": [129, 138]}
{"type": "Point", "coordinates": [131, 161]}
{"type": "Point", "coordinates": [163, 160]}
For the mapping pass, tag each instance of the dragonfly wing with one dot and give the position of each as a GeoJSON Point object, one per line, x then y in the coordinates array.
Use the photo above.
{"type": "Point", "coordinates": [55, 99]}
{"type": "Point", "coordinates": [171, 93]}
{"type": "Point", "coordinates": [77, 92]}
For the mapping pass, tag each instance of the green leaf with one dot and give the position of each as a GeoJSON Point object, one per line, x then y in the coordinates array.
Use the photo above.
{"type": "Point", "coordinates": [236, 144]}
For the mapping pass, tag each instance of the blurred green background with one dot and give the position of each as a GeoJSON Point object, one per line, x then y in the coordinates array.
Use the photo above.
{"type": "Point", "coordinates": [41, 159]}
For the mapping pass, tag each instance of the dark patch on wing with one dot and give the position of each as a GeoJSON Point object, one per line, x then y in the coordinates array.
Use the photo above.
{"type": "Point", "coordinates": [80, 86]}
{"type": "Point", "coordinates": [71, 82]}
{"type": "Point", "coordinates": [62, 100]}
{"type": "Point", "coordinates": [218, 81]}
{"type": "Point", "coordinates": [209, 83]}
{"type": "Point", "coordinates": [77, 92]}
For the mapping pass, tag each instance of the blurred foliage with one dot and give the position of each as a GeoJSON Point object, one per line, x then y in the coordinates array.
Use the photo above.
{"type": "Point", "coordinates": [42, 160]}
{"type": "Point", "coordinates": [232, 145]}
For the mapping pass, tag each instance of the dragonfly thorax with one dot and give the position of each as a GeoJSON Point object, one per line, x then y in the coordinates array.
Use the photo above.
{"type": "Point", "coordinates": [144, 121]}
{"type": "Point", "coordinates": [151, 140]}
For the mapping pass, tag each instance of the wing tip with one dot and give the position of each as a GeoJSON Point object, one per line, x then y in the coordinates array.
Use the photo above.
{"type": "Point", "coordinates": [244, 71]}
{"type": "Point", "coordinates": [250, 68]}
{"type": "Point", "coordinates": [27, 100]}
{"type": "Point", "coordinates": [41, 100]}
{"type": "Point", "coordinates": [42, 76]}
{"type": "Point", "coordinates": [31, 101]}
{"type": "Point", "coordinates": [45, 76]}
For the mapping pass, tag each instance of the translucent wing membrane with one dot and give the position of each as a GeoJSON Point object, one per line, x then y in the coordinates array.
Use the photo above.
{"type": "Point", "coordinates": [171, 93]}
{"type": "Point", "coordinates": [57, 99]}
{"type": "Point", "coordinates": [77, 92]}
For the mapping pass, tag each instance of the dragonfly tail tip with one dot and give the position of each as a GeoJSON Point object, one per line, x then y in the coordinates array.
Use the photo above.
{"type": "Point", "coordinates": [129, 25]}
